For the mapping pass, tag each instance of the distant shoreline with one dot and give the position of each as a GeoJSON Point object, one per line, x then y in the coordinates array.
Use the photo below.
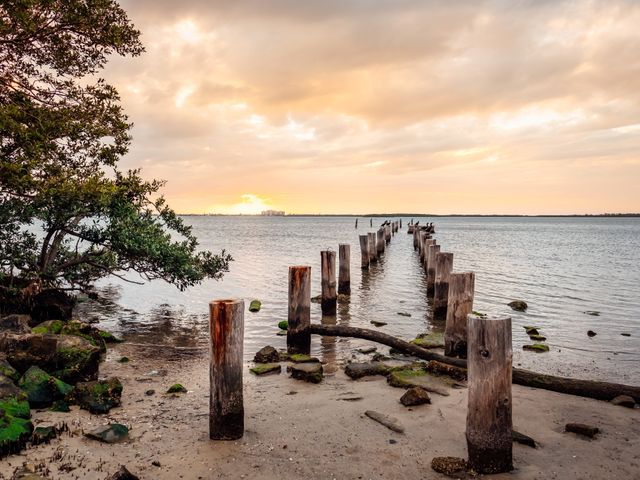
{"type": "Point", "coordinates": [375, 215]}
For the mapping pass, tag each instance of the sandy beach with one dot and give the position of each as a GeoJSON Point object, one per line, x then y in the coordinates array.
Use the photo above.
{"type": "Point", "coordinates": [295, 429]}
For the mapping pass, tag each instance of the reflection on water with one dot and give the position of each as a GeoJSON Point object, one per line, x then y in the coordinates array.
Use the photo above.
{"type": "Point", "coordinates": [561, 267]}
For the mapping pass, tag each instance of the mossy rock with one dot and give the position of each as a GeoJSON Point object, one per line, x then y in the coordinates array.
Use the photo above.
{"type": "Point", "coordinates": [43, 435]}
{"type": "Point", "coordinates": [266, 369]}
{"type": "Point", "coordinates": [50, 326]}
{"type": "Point", "coordinates": [266, 354]}
{"type": "Point", "coordinates": [16, 406]}
{"type": "Point", "coordinates": [8, 371]}
{"type": "Point", "coordinates": [283, 325]}
{"type": "Point", "coordinates": [309, 372]}
{"type": "Point", "coordinates": [98, 396]}
{"type": "Point", "coordinates": [14, 433]}
{"type": "Point", "coordinates": [9, 389]}
{"type": "Point", "coordinates": [536, 347]}
{"type": "Point", "coordinates": [43, 389]}
{"type": "Point", "coordinates": [78, 360]}
{"type": "Point", "coordinates": [410, 377]}
{"type": "Point", "coordinates": [429, 340]}
{"type": "Point", "coordinates": [109, 337]}
{"type": "Point", "coordinates": [60, 406]}
{"type": "Point", "coordinates": [377, 323]}
{"type": "Point", "coordinates": [302, 358]}
{"type": "Point", "coordinates": [531, 330]}
{"type": "Point", "coordinates": [360, 370]}
{"type": "Point", "coordinates": [123, 360]}
{"type": "Point", "coordinates": [112, 433]}
{"type": "Point", "coordinates": [255, 306]}
{"type": "Point", "coordinates": [537, 337]}
{"type": "Point", "coordinates": [176, 388]}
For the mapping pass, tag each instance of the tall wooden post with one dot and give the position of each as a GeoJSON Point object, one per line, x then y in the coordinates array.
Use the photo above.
{"type": "Point", "coordinates": [489, 424]}
{"type": "Point", "coordinates": [328, 276]}
{"type": "Point", "coordinates": [380, 242]}
{"type": "Point", "coordinates": [426, 244]}
{"type": "Point", "coordinates": [387, 233]}
{"type": "Point", "coordinates": [373, 249]}
{"type": "Point", "coordinates": [444, 265]}
{"type": "Point", "coordinates": [400, 223]}
{"type": "Point", "coordinates": [226, 405]}
{"type": "Point", "coordinates": [344, 269]}
{"type": "Point", "coordinates": [431, 270]}
{"type": "Point", "coordinates": [364, 251]}
{"type": "Point", "coordinates": [459, 305]}
{"type": "Point", "coordinates": [298, 336]}
{"type": "Point", "coordinates": [415, 237]}
{"type": "Point", "coordinates": [423, 251]}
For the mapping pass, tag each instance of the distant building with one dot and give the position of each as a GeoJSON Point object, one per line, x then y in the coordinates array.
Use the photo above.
{"type": "Point", "coordinates": [272, 213]}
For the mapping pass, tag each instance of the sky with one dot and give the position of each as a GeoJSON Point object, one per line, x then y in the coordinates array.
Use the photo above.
{"type": "Point", "coordinates": [362, 106]}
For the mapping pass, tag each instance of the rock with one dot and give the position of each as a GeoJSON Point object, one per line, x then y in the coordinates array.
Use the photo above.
{"type": "Point", "coordinates": [283, 325]}
{"type": "Point", "coordinates": [15, 324]}
{"type": "Point", "coordinates": [591, 333]}
{"type": "Point", "coordinates": [523, 439]}
{"type": "Point", "coordinates": [390, 422]}
{"type": "Point", "coordinates": [429, 340]}
{"type": "Point", "coordinates": [112, 433]}
{"type": "Point", "coordinates": [255, 305]}
{"type": "Point", "coordinates": [75, 328]}
{"type": "Point", "coordinates": [98, 396]}
{"type": "Point", "coordinates": [404, 314]}
{"type": "Point", "coordinates": [28, 472]}
{"type": "Point", "coordinates": [407, 378]}
{"type": "Point", "coordinates": [582, 429]}
{"type": "Point", "coordinates": [150, 392]}
{"type": "Point", "coordinates": [14, 433]}
{"type": "Point", "coordinates": [123, 360]}
{"type": "Point", "coordinates": [177, 388]}
{"type": "Point", "coordinates": [78, 360]}
{"type": "Point", "coordinates": [593, 313]}
{"type": "Point", "coordinates": [266, 369]}
{"type": "Point", "coordinates": [537, 338]}
{"type": "Point", "coordinates": [267, 354]}
{"type": "Point", "coordinates": [536, 347]}
{"type": "Point", "coordinates": [518, 305]}
{"type": "Point", "coordinates": [376, 323]}
{"type": "Point", "coordinates": [450, 466]}
{"type": "Point", "coordinates": [531, 330]}
{"type": "Point", "coordinates": [316, 299]}
{"type": "Point", "coordinates": [123, 474]}
{"type": "Point", "coordinates": [8, 371]}
{"type": "Point", "coordinates": [27, 350]}
{"type": "Point", "coordinates": [367, 350]}
{"type": "Point", "coordinates": [42, 389]}
{"type": "Point", "coordinates": [301, 358]}
{"type": "Point", "coordinates": [625, 334]}
{"type": "Point", "coordinates": [156, 463]}
{"type": "Point", "coordinates": [380, 357]}
{"type": "Point", "coordinates": [8, 388]}
{"type": "Point", "coordinates": [439, 368]}
{"type": "Point", "coordinates": [309, 372]}
{"type": "Point", "coordinates": [52, 304]}
{"type": "Point", "coordinates": [415, 396]}
{"type": "Point", "coordinates": [624, 401]}
{"type": "Point", "coordinates": [60, 406]}
{"type": "Point", "coordinates": [359, 370]}
{"type": "Point", "coordinates": [43, 435]}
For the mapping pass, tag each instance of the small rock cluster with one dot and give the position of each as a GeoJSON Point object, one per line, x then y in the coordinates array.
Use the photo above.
{"type": "Point", "coordinates": [303, 367]}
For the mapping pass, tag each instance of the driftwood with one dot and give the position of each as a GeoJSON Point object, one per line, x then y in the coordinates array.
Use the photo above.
{"type": "Point", "coordinates": [581, 388]}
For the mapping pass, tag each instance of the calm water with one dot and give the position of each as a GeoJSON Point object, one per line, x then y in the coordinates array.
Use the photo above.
{"type": "Point", "coordinates": [561, 267]}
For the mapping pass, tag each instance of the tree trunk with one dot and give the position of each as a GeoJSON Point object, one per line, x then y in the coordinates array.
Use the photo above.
{"type": "Point", "coordinates": [570, 386]}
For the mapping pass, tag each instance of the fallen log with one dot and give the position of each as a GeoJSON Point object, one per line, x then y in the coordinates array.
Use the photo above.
{"type": "Point", "coordinates": [570, 386]}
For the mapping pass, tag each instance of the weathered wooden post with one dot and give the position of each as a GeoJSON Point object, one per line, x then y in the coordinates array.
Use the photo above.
{"type": "Point", "coordinates": [431, 269]}
{"type": "Point", "coordinates": [444, 265]}
{"type": "Point", "coordinates": [415, 238]}
{"type": "Point", "coordinates": [459, 305]}
{"type": "Point", "coordinates": [400, 223]}
{"type": "Point", "coordinates": [373, 249]}
{"type": "Point", "coordinates": [426, 244]}
{"type": "Point", "coordinates": [423, 251]}
{"type": "Point", "coordinates": [298, 336]}
{"type": "Point", "coordinates": [489, 424]}
{"type": "Point", "coordinates": [328, 276]}
{"type": "Point", "coordinates": [364, 251]}
{"type": "Point", "coordinates": [380, 244]}
{"type": "Point", "coordinates": [356, 223]}
{"type": "Point", "coordinates": [344, 269]}
{"type": "Point", "coordinates": [226, 405]}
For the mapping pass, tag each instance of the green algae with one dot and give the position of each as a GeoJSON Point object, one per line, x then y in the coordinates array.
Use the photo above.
{"type": "Point", "coordinates": [283, 325]}
{"type": "Point", "coordinates": [176, 388]}
{"type": "Point", "coordinates": [536, 347]}
{"type": "Point", "coordinates": [429, 340]}
{"type": "Point", "coordinates": [255, 306]}
{"type": "Point", "coordinates": [266, 368]}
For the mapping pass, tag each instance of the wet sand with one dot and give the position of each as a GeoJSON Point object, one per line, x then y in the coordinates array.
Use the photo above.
{"type": "Point", "coordinates": [298, 430]}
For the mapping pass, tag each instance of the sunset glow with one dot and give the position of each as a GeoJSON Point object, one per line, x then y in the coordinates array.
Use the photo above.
{"type": "Point", "coordinates": [357, 107]}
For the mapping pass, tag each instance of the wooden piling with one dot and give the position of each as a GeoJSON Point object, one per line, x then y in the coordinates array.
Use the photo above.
{"type": "Point", "coordinates": [414, 231]}
{"type": "Point", "coordinates": [226, 406]}
{"type": "Point", "coordinates": [400, 223]}
{"type": "Point", "coordinates": [380, 242]}
{"type": "Point", "coordinates": [328, 277]}
{"type": "Point", "coordinates": [431, 268]}
{"type": "Point", "coordinates": [459, 305]}
{"type": "Point", "coordinates": [364, 251]}
{"type": "Point", "coordinates": [489, 424]}
{"type": "Point", "coordinates": [444, 265]}
{"type": "Point", "coordinates": [373, 250]}
{"type": "Point", "coordinates": [426, 244]}
{"type": "Point", "coordinates": [421, 247]}
{"type": "Point", "coordinates": [344, 269]}
{"type": "Point", "coordinates": [298, 336]}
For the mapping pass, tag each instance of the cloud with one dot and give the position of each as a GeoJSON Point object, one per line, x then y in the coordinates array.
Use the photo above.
{"type": "Point", "coordinates": [301, 100]}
